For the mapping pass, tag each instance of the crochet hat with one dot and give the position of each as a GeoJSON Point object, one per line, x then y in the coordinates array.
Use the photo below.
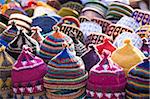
{"type": "Point", "coordinates": [106, 80]}
{"type": "Point", "coordinates": [21, 21]}
{"type": "Point", "coordinates": [66, 77]}
{"type": "Point", "coordinates": [23, 84]}
{"type": "Point", "coordinates": [138, 81]}
{"type": "Point", "coordinates": [127, 56]}
{"type": "Point", "coordinates": [141, 16]}
{"type": "Point", "coordinates": [145, 47]}
{"type": "Point", "coordinates": [136, 40]}
{"type": "Point", "coordinates": [45, 23]}
{"type": "Point", "coordinates": [129, 22]}
{"type": "Point", "coordinates": [102, 22]}
{"type": "Point", "coordinates": [117, 10]}
{"type": "Point", "coordinates": [52, 45]}
{"type": "Point", "coordinates": [114, 30]}
{"type": "Point", "coordinates": [143, 31]}
{"type": "Point", "coordinates": [15, 47]}
{"type": "Point", "coordinates": [6, 63]}
{"type": "Point", "coordinates": [90, 58]}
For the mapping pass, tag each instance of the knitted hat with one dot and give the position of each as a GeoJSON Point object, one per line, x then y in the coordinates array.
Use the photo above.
{"type": "Point", "coordinates": [54, 3]}
{"type": "Point", "coordinates": [52, 45]}
{"type": "Point", "coordinates": [102, 22]}
{"type": "Point", "coordinates": [114, 30]}
{"type": "Point", "coordinates": [106, 80]}
{"type": "Point", "coordinates": [106, 45]}
{"type": "Point", "coordinates": [141, 16]}
{"type": "Point", "coordinates": [88, 27]}
{"type": "Point", "coordinates": [28, 64]}
{"type": "Point", "coordinates": [21, 21]}
{"type": "Point", "coordinates": [145, 47]}
{"type": "Point", "coordinates": [6, 63]}
{"type": "Point", "coordinates": [66, 77]}
{"type": "Point", "coordinates": [129, 22]}
{"type": "Point", "coordinates": [15, 47]}
{"type": "Point", "coordinates": [9, 34]}
{"type": "Point", "coordinates": [138, 81]}
{"type": "Point", "coordinates": [127, 56]}
{"type": "Point", "coordinates": [117, 10]}
{"type": "Point", "coordinates": [143, 31]}
{"type": "Point", "coordinates": [136, 40]}
{"type": "Point", "coordinates": [45, 23]}
{"type": "Point", "coordinates": [83, 19]}
{"type": "Point", "coordinates": [90, 58]}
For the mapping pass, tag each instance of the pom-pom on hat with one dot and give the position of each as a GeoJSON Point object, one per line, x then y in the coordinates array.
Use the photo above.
{"type": "Point", "coordinates": [127, 56]}
{"type": "Point", "coordinates": [106, 80]}
{"type": "Point", "coordinates": [138, 81]}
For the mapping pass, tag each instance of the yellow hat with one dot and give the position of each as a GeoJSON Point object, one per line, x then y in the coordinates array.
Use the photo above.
{"type": "Point", "coordinates": [127, 56]}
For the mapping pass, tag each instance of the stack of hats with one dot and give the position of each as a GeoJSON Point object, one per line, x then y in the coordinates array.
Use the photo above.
{"type": "Point", "coordinates": [106, 80]}
{"type": "Point", "coordinates": [52, 45]}
{"type": "Point", "coordinates": [66, 77]}
{"type": "Point", "coordinates": [117, 10]}
{"type": "Point", "coordinates": [138, 81]}
{"type": "Point", "coordinates": [127, 56]}
{"type": "Point", "coordinates": [3, 22]}
{"type": "Point", "coordinates": [95, 9]}
{"type": "Point", "coordinates": [27, 76]}
{"type": "Point", "coordinates": [6, 63]}
{"type": "Point", "coordinates": [15, 47]}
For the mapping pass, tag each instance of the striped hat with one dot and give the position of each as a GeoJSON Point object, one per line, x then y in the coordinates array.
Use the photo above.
{"type": "Point", "coordinates": [21, 21]}
{"type": "Point", "coordinates": [15, 47]}
{"type": "Point", "coordinates": [23, 84]}
{"type": "Point", "coordinates": [106, 80]}
{"type": "Point", "coordinates": [6, 63]}
{"type": "Point", "coordinates": [52, 45]}
{"type": "Point", "coordinates": [127, 56]}
{"type": "Point", "coordinates": [9, 34]}
{"type": "Point", "coordinates": [138, 81]}
{"type": "Point", "coordinates": [117, 10]}
{"type": "Point", "coordinates": [66, 77]}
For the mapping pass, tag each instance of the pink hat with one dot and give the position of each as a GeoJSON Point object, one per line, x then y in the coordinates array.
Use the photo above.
{"type": "Point", "coordinates": [106, 80]}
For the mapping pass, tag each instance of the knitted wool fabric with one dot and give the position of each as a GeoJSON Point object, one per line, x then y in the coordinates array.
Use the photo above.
{"type": "Point", "coordinates": [2, 27]}
{"type": "Point", "coordinates": [143, 31]}
{"type": "Point", "coordinates": [127, 56]}
{"type": "Point", "coordinates": [106, 80]}
{"type": "Point", "coordinates": [83, 19]}
{"type": "Point", "coordinates": [138, 81]}
{"type": "Point", "coordinates": [66, 77]}
{"type": "Point", "coordinates": [15, 47]}
{"type": "Point", "coordinates": [52, 45]}
{"type": "Point", "coordinates": [4, 19]}
{"type": "Point", "coordinates": [6, 63]}
{"type": "Point", "coordinates": [28, 64]}
{"type": "Point", "coordinates": [145, 48]}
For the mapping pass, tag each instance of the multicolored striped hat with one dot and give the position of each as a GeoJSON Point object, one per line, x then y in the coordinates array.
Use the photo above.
{"type": "Point", "coordinates": [138, 81]}
{"type": "Point", "coordinates": [66, 77]}
{"type": "Point", "coordinates": [15, 47]}
{"type": "Point", "coordinates": [6, 63]}
{"type": "Point", "coordinates": [52, 45]}
{"type": "Point", "coordinates": [106, 80]}
{"type": "Point", "coordinates": [27, 74]}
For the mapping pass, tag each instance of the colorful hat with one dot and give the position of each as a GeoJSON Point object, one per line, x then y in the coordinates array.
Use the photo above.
{"type": "Point", "coordinates": [143, 31]}
{"type": "Point", "coordinates": [90, 58]}
{"type": "Point", "coordinates": [21, 21]}
{"type": "Point", "coordinates": [23, 84]}
{"type": "Point", "coordinates": [64, 11]}
{"type": "Point", "coordinates": [129, 22]}
{"type": "Point", "coordinates": [138, 81]}
{"type": "Point", "coordinates": [52, 45]}
{"type": "Point", "coordinates": [66, 77]}
{"type": "Point", "coordinates": [88, 27]}
{"type": "Point", "coordinates": [45, 23]}
{"type": "Point", "coordinates": [127, 56]}
{"type": "Point", "coordinates": [9, 34]}
{"type": "Point", "coordinates": [141, 16]}
{"type": "Point", "coordinates": [117, 10]}
{"type": "Point", "coordinates": [106, 80]}
{"type": "Point", "coordinates": [106, 45]}
{"type": "Point", "coordinates": [6, 63]}
{"type": "Point", "coordinates": [54, 3]}
{"type": "Point", "coordinates": [102, 22]}
{"type": "Point", "coordinates": [114, 30]}
{"type": "Point", "coordinates": [73, 5]}
{"type": "Point", "coordinates": [15, 47]}
{"type": "Point", "coordinates": [83, 19]}
{"type": "Point", "coordinates": [136, 40]}
{"type": "Point", "coordinates": [146, 46]}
